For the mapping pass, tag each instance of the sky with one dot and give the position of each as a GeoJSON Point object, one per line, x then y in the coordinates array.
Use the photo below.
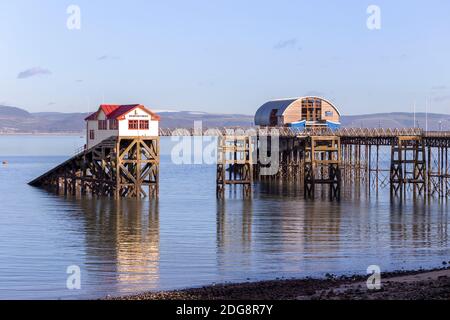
{"type": "Point", "coordinates": [225, 56]}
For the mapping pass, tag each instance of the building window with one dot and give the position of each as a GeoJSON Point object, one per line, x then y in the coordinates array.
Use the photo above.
{"type": "Point", "coordinates": [328, 113]}
{"type": "Point", "coordinates": [143, 125]}
{"type": "Point", "coordinates": [102, 125]}
{"type": "Point", "coordinates": [133, 124]}
{"type": "Point", "coordinates": [113, 124]}
{"type": "Point", "coordinates": [91, 134]}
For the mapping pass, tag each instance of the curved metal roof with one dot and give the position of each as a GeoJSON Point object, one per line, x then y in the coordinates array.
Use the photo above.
{"type": "Point", "coordinates": [262, 116]}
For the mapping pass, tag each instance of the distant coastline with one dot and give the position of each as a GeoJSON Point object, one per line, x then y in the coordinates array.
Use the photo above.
{"type": "Point", "coordinates": [17, 121]}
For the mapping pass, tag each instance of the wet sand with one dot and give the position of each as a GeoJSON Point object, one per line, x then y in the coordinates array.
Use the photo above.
{"type": "Point", "coordinates": [402, 285]}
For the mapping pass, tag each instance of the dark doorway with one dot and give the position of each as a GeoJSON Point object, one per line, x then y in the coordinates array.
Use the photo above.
{"type": "Point", "coordinates": [274, 118]}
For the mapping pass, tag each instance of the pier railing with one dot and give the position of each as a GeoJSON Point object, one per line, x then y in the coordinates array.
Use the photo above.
{"type": "Point", "coordinates": [295, 132]}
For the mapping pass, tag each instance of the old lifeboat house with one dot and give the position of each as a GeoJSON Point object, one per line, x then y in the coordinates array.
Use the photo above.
{"type": "Point", "coordinates": [120, 158]}
{"type": "Point", "coordinates": [301, 113]}
{"type": "Point", "coordinates": [121, 121]}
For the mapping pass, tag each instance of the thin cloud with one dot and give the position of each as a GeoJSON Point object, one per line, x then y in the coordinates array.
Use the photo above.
{"type": "Point", "coordinates": [440, 93]}
{"type": "Point", "coordinates": [443, 98]}
{"type": "Point", "coordinates": [206, 83]}
{"type": "Point", "coordinates": [107, 57]}
{"type": "Point", "coordinates": [32, 72]}
{"type": "Point", "coordinates": [284, 44]}
{"type": "Point", "coordinates": [439, 88]}
{"type": "Point", "coordinates": [394, 58]}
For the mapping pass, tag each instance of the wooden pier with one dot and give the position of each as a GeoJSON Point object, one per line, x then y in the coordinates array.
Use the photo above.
{"type": "Point", "coordinates": [407, 161]}
{"type": "Point", "coordinates": [116, 167]}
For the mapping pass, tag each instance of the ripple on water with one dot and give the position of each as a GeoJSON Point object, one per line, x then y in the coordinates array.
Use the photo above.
{"type": "Point", "coordinates": [188, 238]}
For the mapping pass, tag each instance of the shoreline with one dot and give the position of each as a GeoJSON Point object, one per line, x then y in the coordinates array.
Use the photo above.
{"type": "Point", "coordinates": [420, 284]}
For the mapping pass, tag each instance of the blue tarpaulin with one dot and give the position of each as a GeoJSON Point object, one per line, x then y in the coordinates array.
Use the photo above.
{"type": "Point", "coordinates": [298, 125]}
{"type": "Point", "coordinates": [333, 125]}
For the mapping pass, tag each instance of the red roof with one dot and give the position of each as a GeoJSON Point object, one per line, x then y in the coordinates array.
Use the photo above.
{"type": "Point", "coordinates": [115, 111]}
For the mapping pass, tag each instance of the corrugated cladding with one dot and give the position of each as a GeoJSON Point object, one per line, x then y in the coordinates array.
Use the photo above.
{"type": "Point", "coordinates": [262, 116]}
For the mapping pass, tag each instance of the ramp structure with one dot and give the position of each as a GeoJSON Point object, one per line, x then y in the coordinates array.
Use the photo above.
{"type": "Point", "coordinates": [117, 167]}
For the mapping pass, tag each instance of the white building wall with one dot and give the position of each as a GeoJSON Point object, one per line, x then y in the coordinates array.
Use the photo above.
{"type": "Point", "coordinates": [99, 135]}
{"type": "Point", "coordinates": [138, 114]}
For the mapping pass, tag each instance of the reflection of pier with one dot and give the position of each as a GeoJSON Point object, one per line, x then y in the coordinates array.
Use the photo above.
{"type": "Point", "coordinates": [126, 231]}
{"type": "Point", "coordinates": [234, 231]}
{"type": "Point", "coordinates": [427, 226]}
{"type": "Point", "coordinates": [283, 234]}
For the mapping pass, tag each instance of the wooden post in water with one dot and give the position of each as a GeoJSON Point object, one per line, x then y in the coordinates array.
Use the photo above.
{"type": "Point", "coordinates": [235, 156]}
{"type": "Point", "coordinates": [322, 165]}
{"type": "Point", "coordinates": [408, 165]}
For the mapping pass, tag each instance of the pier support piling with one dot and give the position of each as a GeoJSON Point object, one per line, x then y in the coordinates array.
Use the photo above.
{"type": "Point", "coordinates": [408, 165]}
{"type": "Point", "coordinates": [235, 164]}
{"type": "Point", "coordinates": [322, 165]}
{"type": "Point", "coordinates": [116, 167]}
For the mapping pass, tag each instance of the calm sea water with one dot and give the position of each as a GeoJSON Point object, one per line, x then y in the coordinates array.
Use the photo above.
{"type": "Point", "coordinates": [188, 238]}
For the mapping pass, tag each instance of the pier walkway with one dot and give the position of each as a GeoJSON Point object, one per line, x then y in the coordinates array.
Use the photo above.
{"type": "Point", "coordinates": [406, 160]}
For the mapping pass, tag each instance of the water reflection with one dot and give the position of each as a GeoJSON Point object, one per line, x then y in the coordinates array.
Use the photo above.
{"type": "Point", "coordinates": [189, 239]}
{"type": "Point", "coordinates": [415, 222]}
{"type": "Point", "coordinates": [234, 233]}
{"type": "Point", "coordinates": [322, 230]}
{"type": "Point", "coordinates": [122, 239]}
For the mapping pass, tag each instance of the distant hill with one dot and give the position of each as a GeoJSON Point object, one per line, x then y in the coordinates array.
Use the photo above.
{"type": "Point", "coordinates": [185, 119]}
{"type": "Point", "coordinates": [398, 120]}
{"type": "Point", "coordinates": [12, 112]}
{"type": "Point", "coordinates": [16, 120]}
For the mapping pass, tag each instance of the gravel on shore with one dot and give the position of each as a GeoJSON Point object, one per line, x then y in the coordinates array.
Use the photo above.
{"type": "Point", "coordinates": [401, 285]}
